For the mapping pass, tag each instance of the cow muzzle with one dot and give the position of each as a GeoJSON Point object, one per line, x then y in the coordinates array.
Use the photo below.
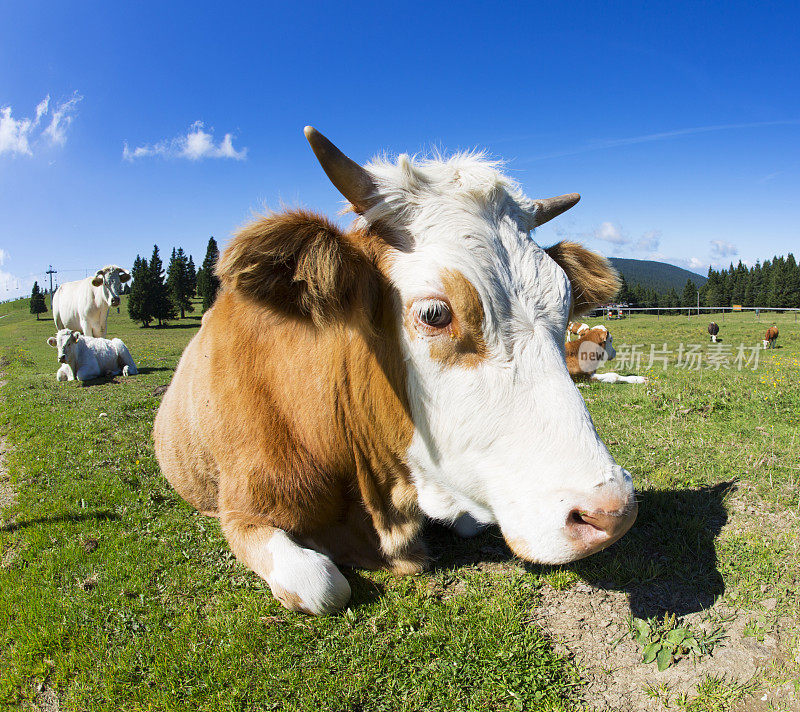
{"type": "Point", "coordinates": [114, 301]}
{"type": "Point", "coordinates": [597, 526]}
{"type": "Point", "coordinates": [62, 359]}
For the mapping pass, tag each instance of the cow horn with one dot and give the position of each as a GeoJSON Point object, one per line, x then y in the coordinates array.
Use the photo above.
{"type": "Point", "coordinates": [545, 209]}
{"type": "Point", "coordinates": [350, 179]}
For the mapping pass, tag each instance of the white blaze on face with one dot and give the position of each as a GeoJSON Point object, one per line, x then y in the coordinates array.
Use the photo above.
{"type": "Point", "coordinates": [502, 433]}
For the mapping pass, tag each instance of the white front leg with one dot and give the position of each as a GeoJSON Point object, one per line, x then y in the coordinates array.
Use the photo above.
{"type": "Point", "coordinates": [65, 373]}
{"type": "Point", "coordinates": [612, 377]}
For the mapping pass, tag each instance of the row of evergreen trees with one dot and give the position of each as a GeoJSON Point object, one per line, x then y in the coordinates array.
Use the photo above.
{"type": "Point", "coordinates": [160, 296]}
{"type": "Point", "coordinates": [773, 284]}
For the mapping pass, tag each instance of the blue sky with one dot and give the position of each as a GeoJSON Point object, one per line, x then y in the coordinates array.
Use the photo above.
{"type": "Point", "coordinates": [125, 125]}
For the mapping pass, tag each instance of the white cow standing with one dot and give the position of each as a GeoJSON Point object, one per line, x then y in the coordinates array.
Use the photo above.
{"type": "Point", "coordinates": [86, 357]}
{"type": "Point", "coordinates": [83, 305]}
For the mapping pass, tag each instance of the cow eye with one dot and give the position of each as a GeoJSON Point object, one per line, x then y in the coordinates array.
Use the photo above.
{"type": "Point", "coordinates": [434, 313]}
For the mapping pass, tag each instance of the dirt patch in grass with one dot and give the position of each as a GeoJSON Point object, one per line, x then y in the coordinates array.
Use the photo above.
{"type": "Point", "coordinates": [750, 669]}
{"type": "Point", "coordinates": [7, 496]}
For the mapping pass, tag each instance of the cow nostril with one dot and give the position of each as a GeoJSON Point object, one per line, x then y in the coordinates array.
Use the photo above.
{"type": "Point", "coordinates": [599, 528]}
{"type": "Point", "coordinates": [581, 518]}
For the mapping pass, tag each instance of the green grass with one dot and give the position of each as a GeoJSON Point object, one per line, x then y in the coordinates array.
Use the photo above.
{"type": "Point", "coordinates": [121, 597]}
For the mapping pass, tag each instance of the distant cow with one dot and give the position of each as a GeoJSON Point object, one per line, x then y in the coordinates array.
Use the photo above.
{"type": "Point", "coordinates": [346, 382]}
{"type": "Point", "coordinates": [713, 330]}
{"type": "Point", "coordinates": [86, 357]}
{"type": "Point", "coordinates": [83, 305]}
{"type": "Point", "coordinates": [770, 337]}
{"type": "Point", "coordinates": [586, 355]}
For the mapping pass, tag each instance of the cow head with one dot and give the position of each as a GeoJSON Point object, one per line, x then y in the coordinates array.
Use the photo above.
{"type": "Point", "coordinates": [65, 341]}
{"type": "Point", "coordinates": [111, 279]}
{"type": "Point", "coordinates": [500, 431]}
{"type": "Point", "coordinates": [596, 347]}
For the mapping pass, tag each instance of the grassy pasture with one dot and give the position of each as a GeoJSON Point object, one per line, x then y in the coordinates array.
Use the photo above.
{"type": "Point", "coordinates": [115, 595]}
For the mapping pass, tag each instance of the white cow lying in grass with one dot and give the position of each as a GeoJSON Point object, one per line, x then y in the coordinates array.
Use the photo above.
{"type": "Point", "coordinates": [86, 357]}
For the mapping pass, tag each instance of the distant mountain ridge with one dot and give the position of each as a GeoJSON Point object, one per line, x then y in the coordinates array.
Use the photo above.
{"type": "Point", "coordinates": [659, 276]}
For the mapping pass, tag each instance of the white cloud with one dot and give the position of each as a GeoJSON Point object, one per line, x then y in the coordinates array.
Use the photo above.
{"type": "Point", "coordinates": [195, 145]}
{"type": "Point", "coordinates": [721, 249]}
{"type": "Point", "coordinates": [649, 241]}
{"type": "Point", "coordinates": [41, 109]}
{"type": "Point", "coordinates": [61, 119]}
{"type": "Point", "coordinates": [693, 264]}
{"type": "Point", "coordinates": [14, 133]}
{"type": "Point", "coordinates": [3, 256]}
{"type": "Point", "coordinates": [17, 136]}
{"type": "Point", "coordinates": [632, 140]}
{"type": "Point", "coordinates": [608, 232]}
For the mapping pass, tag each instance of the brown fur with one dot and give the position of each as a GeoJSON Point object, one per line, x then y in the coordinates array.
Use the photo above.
{"type": "Point", "coordinates": [772, 334]}
{"type": "Point", "coordinates": [462, 342]}
{"type": "Point", "coordinates": [597, 335]}
{"type": "Point", "coordinates": [594, 280]}
{"type": "Point", "coordinates": [288, 408]}
{"type": "Point", "coordinates": [299, 264]}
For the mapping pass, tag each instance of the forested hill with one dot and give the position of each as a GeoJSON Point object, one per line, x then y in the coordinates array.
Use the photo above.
{"type": "Point", "coordinates": [659, 276]}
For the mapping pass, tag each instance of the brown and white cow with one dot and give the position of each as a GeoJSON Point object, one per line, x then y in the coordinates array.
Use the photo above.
{"type": "Point", "coordinates": [713, 331]}
{"type": "Point", "coordinates": [770, 337]}
{"type": "Point", "coordinates": [589, 352]}
{"type": "Point", "coordinates": [347, 383]}
{"type": "Point", "coordinates": [577, 328]}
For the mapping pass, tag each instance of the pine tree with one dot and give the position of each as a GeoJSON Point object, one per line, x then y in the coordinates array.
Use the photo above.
{"type": "Point", "coordinates": [712, 293]}
{"type": "Point", "coordinates": [210, 281]}
{"type": "Point", "coordinates": [201, 280]}
{"type": "Point", "coordinates": [766, 276]}
{"type": "Point", "coordinates": [741, 278]}
{"type": "Point", "coordinates": [160, 302]}
{"type": "Point", "coordinates": [138, 304]}
{"type": "Point", "coordinates": [192, 277]}
{"type": "Point", "coordinates": [791, 295]}
{"type": "Point", "coordinates": [178, 282]}
{"type": "Point", "coordinates": [624, 294]}
{"type": "Point", "coordinates": [753, 287]}
{"type": "Point", "coordinates": [689, 296]}
{"type": "Point", "coordinates": [638, 295]}
{"type": "Point", "coordinates": [37, 301]}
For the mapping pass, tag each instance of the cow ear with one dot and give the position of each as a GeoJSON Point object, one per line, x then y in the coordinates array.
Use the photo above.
{"type": "Point", "coordinates": [52, 341]}
{"type": "Point", "coordinates": [594, 280]}
{"type": "Point", "coordinates": [124, 275]}
{"type": "Point", "coordinates": [98, 279]}
{"type": "Point", "coordinates": [298, 263]}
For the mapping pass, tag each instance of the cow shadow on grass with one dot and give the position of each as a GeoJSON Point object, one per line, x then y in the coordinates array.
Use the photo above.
{"type": "Point", "coordinates": [667, 563]}
{"type": "Point", "coordinates": [116, 379]}
{"type": "Point", "coordinates": [193, 324]}
{"type": "Point", "coordinates": [100, 515]}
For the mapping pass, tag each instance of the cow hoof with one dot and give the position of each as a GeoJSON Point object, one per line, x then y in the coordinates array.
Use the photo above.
{"type": "Point", "coordinates": [124, 370]}
{"type": "Point", "coordinates": [412, 561]}
{"type": "Point", "coordinates": [310, 583]}
{"type": "Point", "coordinates": [466, 526]}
